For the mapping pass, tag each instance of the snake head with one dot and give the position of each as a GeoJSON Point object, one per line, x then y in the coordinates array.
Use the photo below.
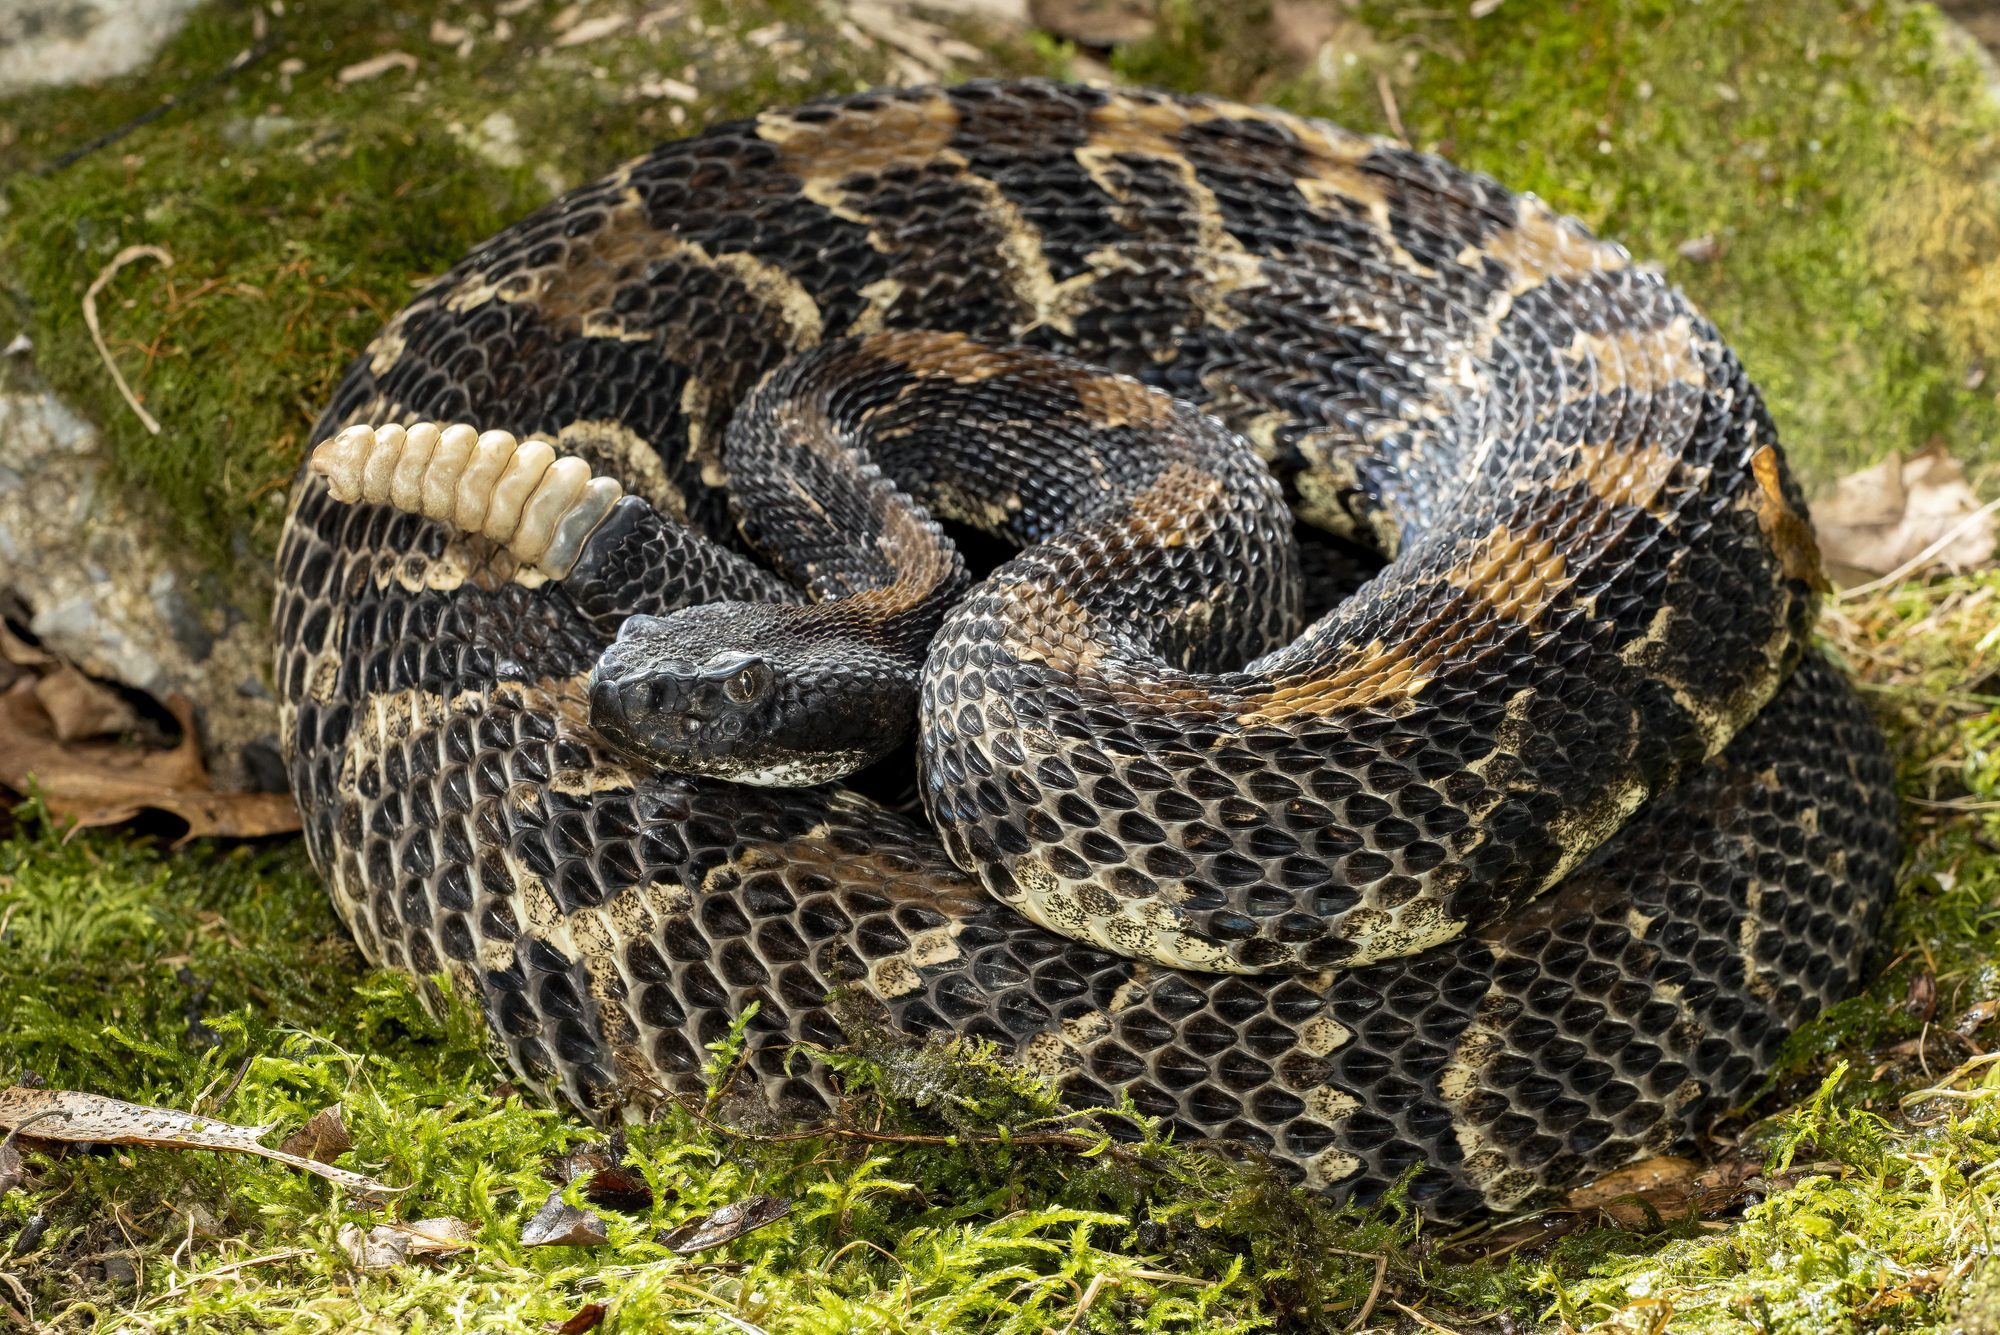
{"type": "Point", "coordinates": [745, 692]}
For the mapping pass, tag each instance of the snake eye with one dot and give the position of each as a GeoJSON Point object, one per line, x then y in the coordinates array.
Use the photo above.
{"type": "Point", "coordinates": [747, 683]}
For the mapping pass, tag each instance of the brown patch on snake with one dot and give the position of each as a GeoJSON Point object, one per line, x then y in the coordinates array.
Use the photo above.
{"type": "Point", "coordinates": [1509, 577]}
{"type": "Point", "coordinates": [829, 157]}
{"type": "Point", "coordinates": [1633, 475]}
{"type": "Point", "coordinates": [1543, 246]}
{"type": "Point", "coordinates": [1221, 266]}
{"type": "Point", "coordinates": [1640, 361]}
{"type": "Point", "coordinates": [1106, 401]}
{"type": "Point", "coordinates": [822, 154]}
{"type": "Point", "coordinates": [1789, 532]}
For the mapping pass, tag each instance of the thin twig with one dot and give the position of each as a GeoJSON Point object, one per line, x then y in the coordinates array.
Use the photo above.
{"type": "Point", "coordinates": [105, 275]}
{"type": "Point", "coordinates": [1097, 1283]}
{"type": "Point", "coordinates": [1420, 1318]}
{"type": "Point", "coordinates": [1381, 1260]}
{"type": "Point", "coordinates": [1389, 108]}
{"type": "Point", "coordinates": [241, 61]}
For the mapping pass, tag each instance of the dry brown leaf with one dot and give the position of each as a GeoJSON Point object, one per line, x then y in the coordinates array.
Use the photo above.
{"type": "Point", "coordinates": [729, 1223]}
{"type": "Point", "coordinates": [1976, 1015]}
{"type": "Point", "coordinates": [79, 707]}
{"type": "Point", "coordinates": [386, 1246]}
{"type": "Point", "coordinates": [322, 1139]}
{"type": "Point", "coordinates": [14, 649]}
{"type": "Point", "coordinates": [1891, 516]}
{"type": "Point", "coordinates": [106, 783]}
{"type": "Point", "coordinates": [560, 1224]}
{"type": "Point", "coordinates": [586, 1317]}
{"type": "Point", "coordinates": [1665, 1183]}
{"type": "Point", "coordinates": [76, 1117]}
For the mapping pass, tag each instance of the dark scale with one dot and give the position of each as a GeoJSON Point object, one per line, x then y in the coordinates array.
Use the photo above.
{"type": "Point", "coordinates": [1551, 545]}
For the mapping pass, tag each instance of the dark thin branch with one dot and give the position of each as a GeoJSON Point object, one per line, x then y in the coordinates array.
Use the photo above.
{"type": "Point", "coordinates": [242, 60]}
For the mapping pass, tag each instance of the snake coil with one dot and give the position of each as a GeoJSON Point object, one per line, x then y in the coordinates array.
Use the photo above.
{"type": "Point", "coordinates": [1513, 866]}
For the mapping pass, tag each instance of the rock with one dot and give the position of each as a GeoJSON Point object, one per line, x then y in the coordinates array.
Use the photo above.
{"type": "Point", "coordinates": [106, 592]}
{"type": "Point", "coordinates": [52, 42]}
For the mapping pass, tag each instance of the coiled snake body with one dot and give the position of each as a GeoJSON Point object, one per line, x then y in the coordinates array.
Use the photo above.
{"type": "Point", "coordinates": [1515, 865]}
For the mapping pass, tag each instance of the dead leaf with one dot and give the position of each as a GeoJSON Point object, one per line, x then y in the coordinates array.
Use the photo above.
{"type": "Point", "coordinates": [107, 783]}
{"type": "Point", "coordinates": [1901, 517]}
{"type": "Point", "coordinates": [621, 1187]}
{"type": "Point", "coordinates": [1638, 1194]}
{"type": "Point", "coordinates": [388, 1245]}
{"type": "Point", "coordinates": [322, 1139]}
{"type": "Point", "coordinates": [1921, 998]}
{"type": "Point", "coordinates": [1299, 28]}
{"type": "Point", "coordinates": [729, 1223]}
{"type": "Point", "coordinates": [560, 1224]}
{"type": "Point", "coordinates": [608, 1180]}
{"type": "Point", "coordinates": [79, 707]}
{"type": "Point", "coordinates": [1703, 249]}
{"type": "Point", "coordinates": [1975, 1016]}
{"type": "Point", "coordinates": [586, 1317]}
{"type": "Point", "coordinates": [14, 649]}
{"type": "Point", "coordinates": [78, 1118]}
{"type": "Point", "coordinates": [377, 1249]}
{"type": "Point", "coordinates": [12, 1171]}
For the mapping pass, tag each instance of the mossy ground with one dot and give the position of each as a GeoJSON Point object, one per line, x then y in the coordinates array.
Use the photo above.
{"type": "Point", "coordinates": [1836, 155]}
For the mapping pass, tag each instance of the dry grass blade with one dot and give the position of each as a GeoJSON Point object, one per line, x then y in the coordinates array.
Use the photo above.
{"type": "Point", "coordinates": [97, 284]}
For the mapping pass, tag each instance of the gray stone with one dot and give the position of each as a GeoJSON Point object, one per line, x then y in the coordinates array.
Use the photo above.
{"type": "Point", "coordinates": [47, 43]}
{"type": "Point", "coordinates": [108, 592]}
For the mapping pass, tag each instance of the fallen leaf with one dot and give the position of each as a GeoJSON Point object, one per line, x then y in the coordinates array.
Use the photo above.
{"type": "Point", "coordinates": [1701, 249]}
{"type": "Point", "coordinates": [108, 783]}
{"type": "Point", "coordinates": [621, 1188]}
{"type": "Point", "coordinates": [14, 649]}
{"type": "Point", "coordinates": [79, 707]}
{"type": "Point", "coordinates": [322, 1139]}
{"type": "Point", "coordinates": [376, 1249]}
{"type": "Point", "coordinates": [1915, 513]}
{"type": "Point", "coordinates": [1639, 1194]}
{"type": "Point", "coordinates": [1921, 998]}
{"type": "Point", "coordinates": [729, 1223]}
{"type": "Point", "coordinates": [11, 1169]}
{"type": "Point", "coordinates": [608, 1180]}
{"type": "Point", "coordinates": [1976, 1015]}
{"type": "Point", "coordinates": [1299, 28]}
{"type": "Point", "coordinates": [560, 1224]}
{"type": "Point", "coordinates": [586, 1317]}
{"type": "Point", "coordinates": [78, 1118]}
{"type": "Point", "coordinates": [388, 1245]}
